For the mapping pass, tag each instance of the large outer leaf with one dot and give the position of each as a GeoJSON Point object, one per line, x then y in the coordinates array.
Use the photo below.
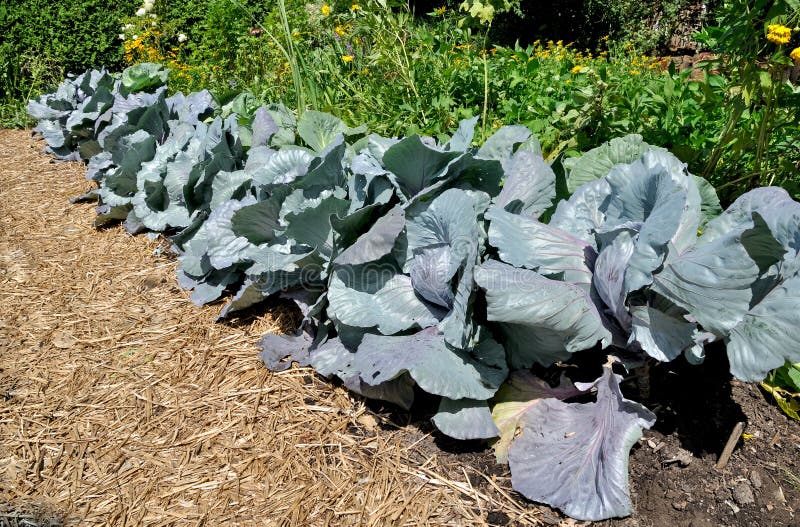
{"type": "Point", "coordinates": [377, 242]}
{"type": "Point", "coordinates": [530, 185]}
{"type": "Point", "coordinates": [209, 286]}
{"type": "Point", "coordinates": [333, 358]}
{"type": "Point", "coordinates": [144, 77]}
{"type": "Point", "coordinates": [780, 212]}
{"type": "Point", "coordinates": [596, 163]}
{"type": "Point", "coordinates": [521, 392]}
{"type": "Point", "coordinates": [312, 226]}
{"type": "Point", "coordinates": [216, 245]}
{"type": "Point", "coordinates": [465, 419]}
{"type": "Point", "coordinates": [768, 335]}
{"type": "Point", "coordinates": [258, 221]}
{"type": "Point", "coordinates": [319, 129]}
{"type": "Point", "coordinates": [712, 281]}
{"type": "Point", "coordinates": [660, 335]}
{"type": "Point", "coordinates": [279, 351]}
{"type": "Point", "coordinates": [502, 144]}
{"type": "Point", "coordinates": [416, 165]}
{"type": "Point", "coordinates": [584, 212]}
{"type": "Point", "coordinates": [325, 172]}
{"type": "Point", "coordinates": [377, 297]}
{"type": "Point", "coordinates": [283, 167]}
{"type": "Point", "coordinates": [462, 139]}
{"type": "Point", "coordinates": [562, 313]}
{"type": "Point", "coordinates": [274, 272]}
{"type": "Point", "coordinates": [436, 368]}
{"type": "Point", "coordinates": [522, 241]}
{"type": "Point", "coordinates": [451, 218]}
{"type": "Point", "coordinates": [575, 456]}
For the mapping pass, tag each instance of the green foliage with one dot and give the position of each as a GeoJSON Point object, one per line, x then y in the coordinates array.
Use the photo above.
{"type": "Point", "coordinates": [42, 41]}
{"type": "Point", "coordinates": [757, 144]}
{"type": "Point", "coordinates": [648, 24]}
{"type": "Point", "coordinates": [784, 386]}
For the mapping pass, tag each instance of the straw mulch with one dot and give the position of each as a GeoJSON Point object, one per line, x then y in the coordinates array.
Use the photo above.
{"type": "Point", "coordinates": [123, 404]}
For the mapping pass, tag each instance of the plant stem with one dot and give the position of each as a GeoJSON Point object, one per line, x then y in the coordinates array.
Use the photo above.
{"type": "Point", "coordinates": [763, 139]}
{"type": "Point", "coordinates": [485, 83]}
{"type": "Point", "coordinates": [289, 54]}
{"type": "Point", "coordinates": [724, 138]}
{"type": "Point", "coordinates": [296, 80]}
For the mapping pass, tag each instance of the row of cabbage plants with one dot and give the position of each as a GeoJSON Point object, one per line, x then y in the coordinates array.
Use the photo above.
{"type": "Point", "coordinates": [427, 265]}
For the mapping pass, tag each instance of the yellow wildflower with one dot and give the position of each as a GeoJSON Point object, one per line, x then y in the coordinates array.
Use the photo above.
{"type": "Point", "coordinates": [779, 34]}
{"type": "Point", "coordinates": [795, 54]}
{"type": "Point", "coordinates": [634, 72]}
{"type": "Point", "coordinates": [347, 58]}
{"type": "Point", "coordinates": [354, 8]}
{"type": "Point", "coordinates": [340, 30]}
{"type": "Point", "coordinates": [576, 69]}
{"type": "Point", "coordinates": [441, 10]}
{"type": "Point", "coordinates": [325, 10]}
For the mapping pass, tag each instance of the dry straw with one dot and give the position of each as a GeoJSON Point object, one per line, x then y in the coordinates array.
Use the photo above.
{"type": "Point", "coordinates": [123, 404]}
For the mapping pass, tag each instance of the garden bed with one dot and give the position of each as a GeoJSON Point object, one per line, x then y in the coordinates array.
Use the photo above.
{"type": "Point", "coordinates": [124, 404]}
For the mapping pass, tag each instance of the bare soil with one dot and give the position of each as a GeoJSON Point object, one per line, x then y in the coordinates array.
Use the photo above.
{"type": "Point", "coordinates": [121, 403]}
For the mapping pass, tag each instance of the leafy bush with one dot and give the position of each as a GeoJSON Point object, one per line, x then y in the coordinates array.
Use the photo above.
{"type": "Point", "coordinates": [758, 49]}
{"type": "Point", "coordinates": [425, 264]}
{"type": "Point", "coordinates": [43, 41]}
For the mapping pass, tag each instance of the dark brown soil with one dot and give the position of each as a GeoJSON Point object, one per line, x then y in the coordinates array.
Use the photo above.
{"type": "Point", "coordinates": [673, 479]}
{"type": "Point", "coordinates": [672, 476]}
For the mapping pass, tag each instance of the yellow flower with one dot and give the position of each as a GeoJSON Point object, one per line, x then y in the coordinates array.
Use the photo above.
{"type": "Point", "coordinates": [441, 10]}
{"type": "Point", "coordinates": [795, 54]}
{"type": "Point", "coordinates": [325, 10]}
{"type": "Point", "coordinates": [354, 8]}
{"type": "Point", "coordinates": [340, 30]}
{"type": "Point", "coordinates": [576, 69]}
{"type": "Point", "coordinates": [779, 34]}
{"type": "Point", "coordinates": [634, 72]}
{"type": "Point", "coordinates": [347, 58]}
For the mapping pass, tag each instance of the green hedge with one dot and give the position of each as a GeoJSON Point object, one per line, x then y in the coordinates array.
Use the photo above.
{"type": "Point", "coordinates": [65, 37]}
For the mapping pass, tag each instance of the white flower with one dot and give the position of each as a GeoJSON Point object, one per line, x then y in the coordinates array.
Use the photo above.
{"type": "Point", "coordinates": [135, 37]}
{"type": "Point", "coordinates": [148, 4]}
{"type": "Point", "coordinates": [182, 38]}
{"type": "Point", "coordinates": [154, 24]}
{"type": "Point", "coordinates": [126, 27]}
{"type": "Point", "coordinates": [121, 36]}
{"type": "Point", "coordinates": [153, 15]}
{"type": "Point", "coordinates": [141, 11]}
